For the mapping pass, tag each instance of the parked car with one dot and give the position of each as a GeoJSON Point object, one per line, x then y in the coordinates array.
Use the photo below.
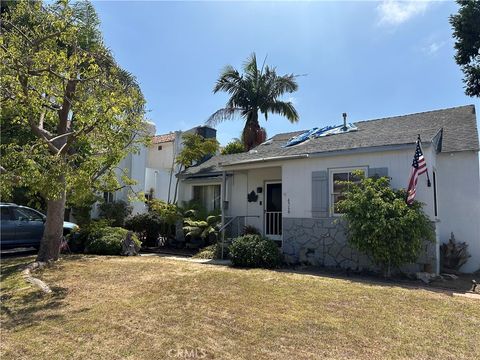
{"type": "Point", "coordinates": [22, 226]}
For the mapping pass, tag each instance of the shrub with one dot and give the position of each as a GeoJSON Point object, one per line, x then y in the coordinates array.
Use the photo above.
{"type": "Point", "coordinates": [454, 254]}
{"type": "Point", "coordinates": [169, 214]}
{"type": "Point", "coordinates": [108, 241]}
{"type": "Point", "coordinates": [206, 230]}
{"type": "Point", "coordinates": [147, 226]}
{"type": "Point", "coordinates": [381, 224]}
{"type": "Point", "coordinates": [77, 241]}
{"type": "Point", "coordinates": [250, 230]}
{"type": "Point", "coordinates": [116, 212]}
{"type": "Point", "coordinates": [208, 252]}
{"type": "Point", "coordinates": [233, 147]}
{"type": "Point", "coordinates": [255, 251]}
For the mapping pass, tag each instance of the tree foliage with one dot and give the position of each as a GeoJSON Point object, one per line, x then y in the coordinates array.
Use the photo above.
{"type": "Point", "coordinates": [195, 149]}
{"type": "Point", "coordinates": [115, 212]}
{"type": "Point", "coordinates": [257, 89]}
{"type": "Point", "coordinates": [233, 147]}
{"type": "Point", "coordinates": [78, 112]}
{"type": "Point", "coordinates": [381, 224]}
{"type": "Point", "coordinates": [466, 31]}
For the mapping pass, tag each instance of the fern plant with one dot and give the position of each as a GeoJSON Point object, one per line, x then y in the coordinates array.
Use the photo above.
{"type": "Point", "coordinates": [206, 230]}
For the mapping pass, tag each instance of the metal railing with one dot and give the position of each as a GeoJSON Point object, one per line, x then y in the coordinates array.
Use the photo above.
{"type": "Point", "coordinates": [233, 228]}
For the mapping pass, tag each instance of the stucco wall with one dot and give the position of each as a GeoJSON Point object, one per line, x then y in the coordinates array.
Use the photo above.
{"type": "Point", "coordinates": [159, 165]}
{"type": "Point", "coordinates": [137, 165]}
{"type": "Point", "coordinates": [459, 201]}
{"type": "Point", "coordinates": [160, 159]}
{"type": "Point", "coordinates": [297, 177]}
{"type": "Point", "coordinates": [158, 180]}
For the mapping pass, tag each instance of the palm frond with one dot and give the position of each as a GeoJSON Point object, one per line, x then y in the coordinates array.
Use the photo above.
{"type": "Point", "coordinates": [250, 66]}
{"type": "Point", "coordinates": [284, 84]}
{"type": "Point", "coordinates": [283, 108]}
{"type": "Point", "coordinates": [221, 115]}
{"type": "Point", "coordinates": [228, 81]}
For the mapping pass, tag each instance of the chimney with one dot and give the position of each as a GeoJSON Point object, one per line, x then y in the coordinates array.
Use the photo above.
{"type": "Point", "coordinates": [344, 121]}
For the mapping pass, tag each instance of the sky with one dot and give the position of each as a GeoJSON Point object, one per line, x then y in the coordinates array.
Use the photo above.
{"type": "Point", "coordinates": [370, 59]}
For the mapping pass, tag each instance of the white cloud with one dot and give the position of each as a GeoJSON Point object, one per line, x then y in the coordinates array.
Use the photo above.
{"type": "Point", "coordinates": [432, 48]}
{"type": "Point", "coordinates": [394, 12]}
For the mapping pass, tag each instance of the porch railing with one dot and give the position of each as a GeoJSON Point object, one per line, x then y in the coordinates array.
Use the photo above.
{"type": "Point", "coordinates": [273, 223]}
{"type": "Point", "coordinates": [232, 228]}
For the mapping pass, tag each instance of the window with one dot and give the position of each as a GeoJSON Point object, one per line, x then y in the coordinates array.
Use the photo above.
{"type": "Point", "coordinates": [337, 189]}
{"type": "Point", "coordinates": [5, 215]}
{"type": "Point", "coordinates": [160, 147]}
{"type": "Point", "coordinates": [208, 196]}
{"type": "Point", "coordinates": [108, 197]}
{"type": "Point", "coordinates": [26, 214]}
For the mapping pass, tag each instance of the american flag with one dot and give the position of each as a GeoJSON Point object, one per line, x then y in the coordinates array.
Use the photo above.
{"type": "Point", "coordinates": [419, 167]}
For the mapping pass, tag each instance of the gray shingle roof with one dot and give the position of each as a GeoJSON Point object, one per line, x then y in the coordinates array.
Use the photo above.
{"type": "Point", "coordinates": [458, 124]}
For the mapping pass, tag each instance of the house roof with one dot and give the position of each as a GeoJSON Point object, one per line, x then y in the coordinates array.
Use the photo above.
{"type": "Point", "coordinates": [158, 139]}
{"type": "Point", "coordinates": [456, 126]}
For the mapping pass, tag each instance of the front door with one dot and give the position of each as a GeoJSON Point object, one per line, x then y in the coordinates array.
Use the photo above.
{"type": "Point", "coordinates": [273, 210]}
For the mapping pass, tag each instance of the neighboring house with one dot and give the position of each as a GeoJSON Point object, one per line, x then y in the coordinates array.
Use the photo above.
{"type": "Point", "coordinates": [289, 194]}
{"type": "Point", "coordinates": [153, 168]}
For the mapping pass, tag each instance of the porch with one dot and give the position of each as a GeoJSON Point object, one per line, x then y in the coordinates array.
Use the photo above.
{"type": "Point", "coordinates": [245, 197]}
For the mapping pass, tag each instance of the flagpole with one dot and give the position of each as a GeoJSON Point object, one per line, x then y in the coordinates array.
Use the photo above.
{"type": "Point", "coordinates": [429, 184]}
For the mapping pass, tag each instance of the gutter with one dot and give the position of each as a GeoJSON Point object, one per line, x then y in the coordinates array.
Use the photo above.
{"type": "Point", "coordinates": [370, 149]}
{"type": "Point", "coordinates": [272, 158]}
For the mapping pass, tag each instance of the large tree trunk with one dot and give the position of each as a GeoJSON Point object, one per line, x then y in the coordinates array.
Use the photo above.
{"type": "Point", "coordinates": [253, 134]}
{"type": "Point", "coordinates": [53, 233]}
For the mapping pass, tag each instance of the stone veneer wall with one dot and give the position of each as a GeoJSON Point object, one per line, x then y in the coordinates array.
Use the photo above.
{"type": "Point", "coordinates": [323, 242]}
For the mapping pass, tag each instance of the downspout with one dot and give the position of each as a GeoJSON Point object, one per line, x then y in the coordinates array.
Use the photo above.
{"type": "Point", "coordinates": [223, 200]}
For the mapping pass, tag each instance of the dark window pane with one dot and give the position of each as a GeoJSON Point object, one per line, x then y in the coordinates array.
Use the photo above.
{"type": "Point", "coordinates": [340, 177]}
{"type": "Point", "coordinates": [274, 197]}
{"type": "Point", "coordinates": [354, 177]}
{"type": "Point", "coordinates": [26, 214]}
{"type": "Point", "coordinates": [336, 199]}
{"type": "Point", "coordinates": [5, 214]}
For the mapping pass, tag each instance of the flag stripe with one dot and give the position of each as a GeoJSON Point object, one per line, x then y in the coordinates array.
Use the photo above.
{"type": "Point", "coordinates": [419, 167]}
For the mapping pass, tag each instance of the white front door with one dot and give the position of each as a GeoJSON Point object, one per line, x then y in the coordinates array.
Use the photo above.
{"type": "Point", "coordinates": [273, 210]}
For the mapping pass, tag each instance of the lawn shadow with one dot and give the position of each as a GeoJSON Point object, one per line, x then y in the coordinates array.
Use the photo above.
{"type": "Point", "coordinates": [22, 304]}
{"type": "Point", "coordinates": [28, 309]}
{"type": "Point", "coordinates": [461, 285]}
{"type": "Point", "coordinates": [13, 266]}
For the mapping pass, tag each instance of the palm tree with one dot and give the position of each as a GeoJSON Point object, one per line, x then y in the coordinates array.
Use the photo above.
{"type": "Point", "coordinates": [253, 91]}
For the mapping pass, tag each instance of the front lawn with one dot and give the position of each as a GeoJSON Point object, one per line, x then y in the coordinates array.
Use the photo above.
{"type": "Point", "coordinates": [156, 308]}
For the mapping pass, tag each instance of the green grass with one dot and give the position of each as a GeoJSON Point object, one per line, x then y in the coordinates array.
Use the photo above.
{"type": "Point", "coordinates": [154, 308]}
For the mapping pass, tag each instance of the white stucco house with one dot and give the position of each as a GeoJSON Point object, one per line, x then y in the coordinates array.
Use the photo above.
{"type": "Point", "coordinates": [153, 168]}
{"type": "Point", "coordinates": [288, 193]}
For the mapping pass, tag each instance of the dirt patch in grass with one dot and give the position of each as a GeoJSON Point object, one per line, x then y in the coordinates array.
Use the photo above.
{"type": "Point", "coordinates": [157, 308]}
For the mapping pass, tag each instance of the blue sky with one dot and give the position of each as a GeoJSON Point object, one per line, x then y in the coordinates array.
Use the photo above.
{"type": "Point", "coordinates": [369, 59]}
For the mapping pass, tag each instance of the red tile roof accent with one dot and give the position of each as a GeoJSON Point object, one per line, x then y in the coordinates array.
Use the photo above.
{"type": "Point", "coordinates": [158, 139]}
